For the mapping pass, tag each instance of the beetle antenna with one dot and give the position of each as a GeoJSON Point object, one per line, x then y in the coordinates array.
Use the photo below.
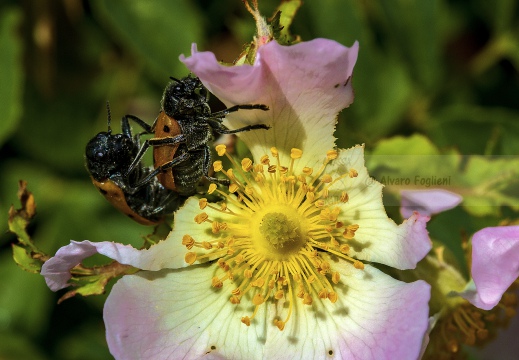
{"type": "Point", "coordinates": [174, 79]}
{"type": "Point", "coordinates": [109, 120]}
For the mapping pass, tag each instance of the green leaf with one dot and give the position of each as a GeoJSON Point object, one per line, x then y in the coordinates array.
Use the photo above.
{"type": "Point", "coordinates": [486, 183]}
{"type": "Point", "coordinates": [25, 260]}
{"type": "Point", "coordinates": [11, 72]}
{"type": "Point", "coordinates": [157, 31]}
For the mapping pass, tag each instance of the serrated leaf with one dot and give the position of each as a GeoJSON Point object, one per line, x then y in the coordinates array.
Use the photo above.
{"type": "Point", "coordinates": [25, 260]}
{"type": "Point", "coordinates": [11, 72]}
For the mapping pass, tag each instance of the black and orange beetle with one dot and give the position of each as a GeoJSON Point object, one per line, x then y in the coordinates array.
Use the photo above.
{"type": "Point", "coordinates": [181, 132]}
{"type": "Point", "coordinates": [108, 158]}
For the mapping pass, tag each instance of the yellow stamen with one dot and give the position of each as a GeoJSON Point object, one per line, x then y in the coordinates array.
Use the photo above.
{"type": "Point", "coordinates": [285, 230]}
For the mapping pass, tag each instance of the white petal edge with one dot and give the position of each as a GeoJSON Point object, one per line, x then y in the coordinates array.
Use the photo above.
{"type": "Point", "coordinates": [379, 238]}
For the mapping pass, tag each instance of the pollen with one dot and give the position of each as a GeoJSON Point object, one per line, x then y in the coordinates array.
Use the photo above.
{"type": "Point", "coordinates": [282, 229]}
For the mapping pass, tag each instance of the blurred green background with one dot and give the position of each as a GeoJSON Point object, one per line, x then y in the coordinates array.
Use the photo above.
{"type": "Point", "coordinates": [445, 69]}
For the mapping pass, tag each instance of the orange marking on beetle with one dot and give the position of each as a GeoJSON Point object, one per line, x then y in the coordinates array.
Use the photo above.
{"type": "Point", "coordinates": [116, 197]}
{"type": "Point", "coordinates": [166, 127]}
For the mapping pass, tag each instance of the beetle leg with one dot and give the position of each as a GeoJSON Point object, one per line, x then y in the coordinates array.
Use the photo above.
{"type": "Point", "coordinates": [148, 129]}
{"type": "Point", "coordinates": [153, 142]}
{"type": "Point", "coordinates": [176, 160]}
{"type": "Point", "coordinates": [221, 114]}
{"type": "Point", "coordinates": [222, 129]}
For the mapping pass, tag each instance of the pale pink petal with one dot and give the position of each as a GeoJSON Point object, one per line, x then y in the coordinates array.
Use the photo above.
{"type": "Point", "coordinates": [495, 265]}
{"type": "Point", "coordinates": [379, 238]}
{"type": "Point", "coordinates": [305, 86]}
{"type": "Point", "coordinates": [375, 317]}
{"type": "Point", "coordinates": [176, 314]}
{"type": "Point", "coordinates": [428, 202]}
{"type": "Point", "coordinates": [56, 270]}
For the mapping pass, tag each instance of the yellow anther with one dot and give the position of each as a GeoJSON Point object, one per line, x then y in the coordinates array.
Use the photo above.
{"type": "Point", "coordinates": [274, 152]}
{"type": "Point", "coordinates": [249, 190]}
{"type": "Point", "coordinates": [280, 324]}
{"type": "Point", "coordinates": [258, 168]}
{"type": "Point", "coordinates": [248, 273]}
{"type": "Point", "coordinates": [323, 294]}
{"type": "Point", "coordinates": [246, 164]}
{"type": "Point", "coordinates": [221, 149]}
{"type": "Point", "coordinates": [319, 203]}
{"type": "Point", "coordinates": [233, 188]}
{"type": "Point", "coordinates": [344, 249]}
{"type": "Point", "coordinates": [200, 218]}
{"type": "Point", "coordinates": [279, 294]}
{"type": "Point", "coordinates": [264, 160]}
{"type": "Point", "coordinates": [331, 155]}
{"type": "Point", "coordinates": [283, 169]}
{"type": "Point", "coordinates": [230, 174]}
{"type": "Point", "coordinates": [215, 227]}
{"type": "Point", "coordinates": [212, 188]}
{"type": "Point", "coordinates": [258, 299]}
{"type": "Point", "coordinates": [326, 179]}
{"type": "Point", "coordinates": [349, 233]}
{"type": "Point", "coordinates": [344, 197]}
{"type": "Point", "coordinates": [188, 241]}
{"type": "Point", "coordinates": [223, 206]}
{"type": "Point", "coordinates": [202, 203]}
{"type": "Point", "coordinates": [272, 169]}
{"type": "Point", "coordinates": [216, 282]}
{"type": "Point", "coordinates": [245, 320]}
{"type": "Point", "coordinates": [336, 277]}
{"type": "Point", "coordinates": [358, 265]}
{"type": "Point", "coordinates": [308, 171]}
{"type": "Point", "coordinates": [207, 245]}
{"type": "Point", "coordinates": [190, 258]}
{"type": "Point", "coordinates": [353, 173]}
{"type": "Point", "coordinates": [307, 299]}
{"type": "Point", "coordinates": [217, 166]}
{"type": "Point", "coordinates": [332, 296]}
{"type": "Point", "coordinates": [296, 153]}
{"type": "Point", "coordinates": [235, 300]}
{"type": "Point", "coordinates": [236, 291]}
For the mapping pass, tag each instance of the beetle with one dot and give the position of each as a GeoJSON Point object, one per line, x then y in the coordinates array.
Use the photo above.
{"type": "Point", "coordinates": [108, 158]}
{"type": "Point", "coordinates": [182, 131]}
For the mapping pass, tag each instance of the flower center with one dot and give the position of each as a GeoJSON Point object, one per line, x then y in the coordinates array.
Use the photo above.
{"type": "Point", "coordinates": [280, 228]}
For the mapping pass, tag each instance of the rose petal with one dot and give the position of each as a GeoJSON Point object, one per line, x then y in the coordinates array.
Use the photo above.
{"type": "Point", "coordinates": [176, 313]}
{"type": "Point", "coordinates": [376, 317]}
{"type": "Point", "coordinates": [378, 238]}
{"type": "Point", "coordinates": [56, 270]}
{"type": "Point", "coordinates": [428, 202]}
{"type": "Point", "coordinates": [305, 86]}
{"type": "Point", "coordinates": [495, 265]}
{"type": "Point", "coordinates": [159, 315]}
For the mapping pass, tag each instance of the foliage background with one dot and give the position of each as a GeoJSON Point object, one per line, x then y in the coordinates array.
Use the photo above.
{"type": "Point", "coordinates": [445, 69]}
